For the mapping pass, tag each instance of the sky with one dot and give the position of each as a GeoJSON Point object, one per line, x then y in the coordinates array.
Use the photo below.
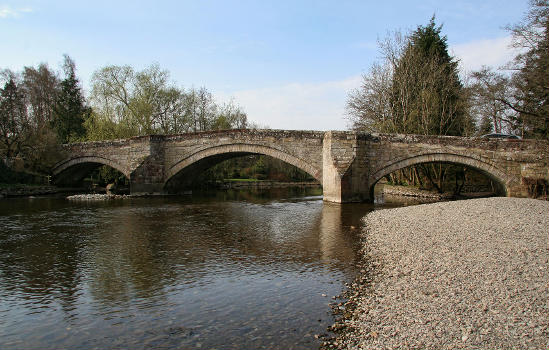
{"type": "Point", "coordinates": [288, 64]}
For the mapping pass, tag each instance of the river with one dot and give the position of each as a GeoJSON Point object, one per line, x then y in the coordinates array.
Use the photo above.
{"type": "Point", "coordinates": [224, 270]}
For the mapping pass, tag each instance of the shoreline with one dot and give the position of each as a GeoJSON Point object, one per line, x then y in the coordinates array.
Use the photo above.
{"type": "Point", "coordinates": [224, 185]}
{"type": "Point", "coordinates": [409, 191]}
{"type": "Point", "coordinates": [464, 274]}
{"type": "Point", "coordinates": [21, 190]}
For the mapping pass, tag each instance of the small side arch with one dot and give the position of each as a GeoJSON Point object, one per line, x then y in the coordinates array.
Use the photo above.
{"type": "Point", "coordinates": [486, 168]}
{"type": "Point", "coordinates": [241, 149]}
{"type": "Point", "coordinates": [78, 167]}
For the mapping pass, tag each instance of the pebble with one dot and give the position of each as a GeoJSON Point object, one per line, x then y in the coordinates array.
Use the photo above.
{"type": "Point", "coordinates": [96, 197]}
{"type": "Point", "coordinates": [474, 272]}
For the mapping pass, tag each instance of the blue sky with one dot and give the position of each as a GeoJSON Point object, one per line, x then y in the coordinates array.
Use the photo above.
{"type": "Point", "coordinates": [289, 64]}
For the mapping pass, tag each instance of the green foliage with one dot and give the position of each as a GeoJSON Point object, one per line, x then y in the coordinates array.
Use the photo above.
{"type": "Point", "coordinates": [129, 103]}
{"type": "Point", "coordinates": [443, 178]}
{"type": "Point", "coordinates": [26, 115]}
{"type": "Point", "coordinates": [10, 177]}
{"type": "Point", "coordinates": [105, 175]}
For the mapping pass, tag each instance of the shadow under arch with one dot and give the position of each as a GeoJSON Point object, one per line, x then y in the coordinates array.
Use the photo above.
{"type": "Point", "coordinates": [73, 170]}
{"type": "Point", "coordinates": [502, 179]}
{"type": "Point", "coordinates": [197, 162]}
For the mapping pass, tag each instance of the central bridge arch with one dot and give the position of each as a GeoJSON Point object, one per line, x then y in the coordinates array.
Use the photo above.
{"type": "Point", "coordinates": [203, 159]}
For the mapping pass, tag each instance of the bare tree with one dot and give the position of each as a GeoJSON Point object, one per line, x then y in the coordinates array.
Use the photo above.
{"type": "Point", "coordinates": [531, 69]}
{"type": "Point", "coordinates": [14, 122]}
{"type": "Point", "coordinates": [369, 107]}
{"type": "Point", "coordinates": [492, 92]}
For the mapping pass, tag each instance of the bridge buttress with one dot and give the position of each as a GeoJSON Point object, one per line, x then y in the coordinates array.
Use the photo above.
{"type": "Point", "coordinates": [343, 168]}
{"type": "Point", "coordinates": [148, 177]}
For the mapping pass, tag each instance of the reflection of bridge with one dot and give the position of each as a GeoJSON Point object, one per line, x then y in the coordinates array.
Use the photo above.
{"type": "Point", "coordinates": [347, 164]}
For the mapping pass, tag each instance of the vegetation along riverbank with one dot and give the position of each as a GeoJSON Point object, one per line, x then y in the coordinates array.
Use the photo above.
{"type": "Point", "coordinates": [465, 274]}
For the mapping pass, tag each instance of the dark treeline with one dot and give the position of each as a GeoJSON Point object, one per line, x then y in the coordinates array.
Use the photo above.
{"type": "Point", "coordinates": [254, 167]}
{"type": "Point", "coordinates": [417, 89]}
{"type": "Point", "coordinates": [40, 106]}
{"type": "Point", "coordinates": [251, 167]}
{"type": "Point", "coordinates": [40, 109]}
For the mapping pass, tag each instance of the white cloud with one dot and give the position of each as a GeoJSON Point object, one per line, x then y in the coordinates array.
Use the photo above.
{"type": "Point", "coordinates": [298, 106]}
{"type": "Point", "coordinates": [6, 11]}
{"type": "Point", "coordinates": [487, 52]}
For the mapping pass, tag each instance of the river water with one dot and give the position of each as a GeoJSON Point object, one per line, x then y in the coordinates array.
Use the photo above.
{"type": "Point", "coordinates": [228, 270]}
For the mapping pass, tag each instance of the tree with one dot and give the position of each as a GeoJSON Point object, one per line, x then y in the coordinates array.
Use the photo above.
{"type": "Point", "coordinates": [369, 108]}
{"type": "Point", "coordinates": [531, 65]}
{"type": "Point", "coordinates": [14, 123]}
{"type": "Point", "coordinates": [70, 111]}
{"type": "Point", "coordinates": [426, 95]}
{"type": "Point", "coordinates": [491, 93]}
{"type": "Point", "coordinates": [515, 99]}
{"type": "Point", "coordinates": [42, 89]}
{"type": "Point", "coordinates": [416, 90]}
{"type": "Point", "coordinates": [229, 116]}
{"type": "Point", "coordinates": [129, 103]}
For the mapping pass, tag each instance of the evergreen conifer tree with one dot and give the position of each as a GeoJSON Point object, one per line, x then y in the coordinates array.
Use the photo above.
{"type": "Point", "coordinates": [71, 110]}
{"type": "Point", "coordinates": [427, 94]}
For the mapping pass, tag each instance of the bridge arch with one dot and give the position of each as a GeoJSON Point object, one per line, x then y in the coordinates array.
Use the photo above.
{"type": "Point", "coordinates": [483, 167]}
{"type": "Point", "coordinates": [78, 167]}
{"type": "Point", "coordinates": [220, 153]}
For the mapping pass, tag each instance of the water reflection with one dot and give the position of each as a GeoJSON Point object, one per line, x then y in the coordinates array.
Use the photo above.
{"type": "Point", "coordinates": [225, 270]}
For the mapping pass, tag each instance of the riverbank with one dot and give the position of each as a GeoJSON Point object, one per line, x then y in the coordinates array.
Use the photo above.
{"type": "Point", "coordinates": [466, 274]}
{"type": "Point", "coordinates": [97, 197]}
{"type": "Point", "coordinates": [410, 191]}
{"type": "Point", "coordinates": [253, 184]}
{"type": "Point", "coordinates": [21, 190]}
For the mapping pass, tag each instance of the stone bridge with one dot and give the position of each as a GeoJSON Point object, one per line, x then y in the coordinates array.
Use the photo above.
{"type": "Point", "coordinates": [347, 164]}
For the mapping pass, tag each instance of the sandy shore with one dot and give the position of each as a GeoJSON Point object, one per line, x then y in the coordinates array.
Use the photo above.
{"type": "Point", "coordinates": [457, 275]}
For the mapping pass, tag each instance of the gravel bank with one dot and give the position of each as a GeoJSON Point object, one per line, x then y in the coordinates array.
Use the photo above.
{"type": "Point", "coordinates": [96, 197]}
{"type": "Point", "coordinates": [457, 275]}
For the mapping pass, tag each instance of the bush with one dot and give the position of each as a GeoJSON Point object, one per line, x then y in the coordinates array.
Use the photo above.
{"type": "Point", "coordinates": [9, 176]}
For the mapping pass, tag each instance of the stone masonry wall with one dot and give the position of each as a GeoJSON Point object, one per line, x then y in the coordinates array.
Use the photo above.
{"type": "Point", "coordinates": [348, 164]}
